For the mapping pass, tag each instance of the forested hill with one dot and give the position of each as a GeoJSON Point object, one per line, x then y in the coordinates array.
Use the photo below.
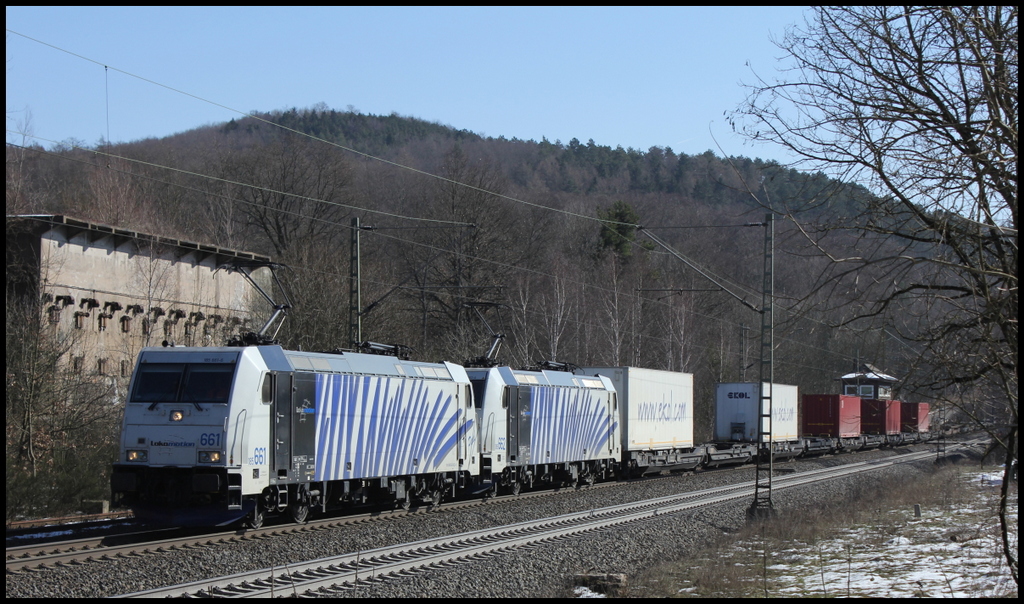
{"type": "Point", "coordinates": [553, 173]}
{"type": "Point", "coordinates": [570, 168]}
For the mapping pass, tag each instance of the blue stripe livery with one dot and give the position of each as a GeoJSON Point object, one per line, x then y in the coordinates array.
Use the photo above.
{"type": "Point", "coordinates": [369, 426]}
{"type": "Point", "coordinates": [570, 424]}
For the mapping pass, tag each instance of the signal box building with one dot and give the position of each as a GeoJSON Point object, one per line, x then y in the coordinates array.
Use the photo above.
{"type": "Point", "coordinates": [869, 382]}
{"type": "Point", "coordinates": [107, 292]}
{"type": "Point", "coordinates": [879, 413]}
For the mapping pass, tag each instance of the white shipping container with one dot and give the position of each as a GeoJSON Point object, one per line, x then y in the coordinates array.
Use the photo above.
{"type": "Point", "coordinates": [657, 406]}
{"type": "Point", "coordinates": [737, 409]}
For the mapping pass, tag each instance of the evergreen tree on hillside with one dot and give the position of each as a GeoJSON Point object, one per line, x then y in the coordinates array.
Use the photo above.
{"type": "Point", "coordinates": [618, 229]}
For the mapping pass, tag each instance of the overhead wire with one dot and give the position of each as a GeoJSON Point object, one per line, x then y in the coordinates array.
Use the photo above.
{"type": "Point", "coordinates": [221, 180]}
{"type": "Point", "coordinates": [382, 235]}
{"type": "Point", "coordinates": [254, 116]}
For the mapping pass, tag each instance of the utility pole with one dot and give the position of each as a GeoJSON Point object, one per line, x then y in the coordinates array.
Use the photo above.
{"type": "Point", "coordinates": [762, 505]}
{"type": "Point", "coordinates": [355, 305]}
{"type": "Point", "coordinates": [743, 351]}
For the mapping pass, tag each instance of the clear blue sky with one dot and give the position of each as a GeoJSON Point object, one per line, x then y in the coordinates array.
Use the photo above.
{"type": "Point", "coordinates": [636, 77]}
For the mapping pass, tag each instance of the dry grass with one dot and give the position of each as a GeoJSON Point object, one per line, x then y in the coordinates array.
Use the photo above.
{"type": "Point", "coordinates": [756, 560]}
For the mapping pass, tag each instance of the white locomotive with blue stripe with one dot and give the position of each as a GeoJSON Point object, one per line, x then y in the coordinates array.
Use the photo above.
{"type": "Point", "coordinates": [548, 427]}
{"type": "Point", "coordinates": [215, 435]}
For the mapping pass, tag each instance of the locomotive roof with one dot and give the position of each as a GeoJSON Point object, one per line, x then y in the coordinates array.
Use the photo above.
{"type": "Point", "coordinates": [522, 377]}
{"type": "Point", "coordinates": [279, 359]}
{"type": "Point", "coordinates": [354, 362]}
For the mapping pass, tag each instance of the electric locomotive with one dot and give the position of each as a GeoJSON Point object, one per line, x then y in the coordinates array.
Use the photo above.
{"type": "Point", "coordinates": [212, 436]}
{"type": "Point", "coordinates": [545, 427]}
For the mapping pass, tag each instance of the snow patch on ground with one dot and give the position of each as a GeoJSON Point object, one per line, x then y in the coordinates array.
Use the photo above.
{"type": "Point", "coordinates": [949, 551]}
{"type": "Point", "coordinates": [944, 553]}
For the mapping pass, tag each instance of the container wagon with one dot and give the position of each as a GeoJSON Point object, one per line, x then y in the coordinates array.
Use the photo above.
{"type": "Point", "coordinates": [915, 422]}
{"type": "Point", "coordinates": [881, 418]}
{"type": "Point", "coordinates": [831, 422]}
{"type": "Point", "coordinates": [656, 408]}
{"type": "Point", "coordinates": [737, 409]}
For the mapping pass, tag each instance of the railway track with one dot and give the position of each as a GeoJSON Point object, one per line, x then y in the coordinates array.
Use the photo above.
{"type": "Point", "coordinates": [326, 575]}
{"type": "Point", "coordinates": [40, 556]}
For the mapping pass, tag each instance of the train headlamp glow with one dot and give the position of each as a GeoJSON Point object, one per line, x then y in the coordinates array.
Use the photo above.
{"type": "Point", "coordinates": [209, 456]}
{"type": "Point", "coordinates": [177, 416]}
{"type": "Point", "coordinates": [137, 455]}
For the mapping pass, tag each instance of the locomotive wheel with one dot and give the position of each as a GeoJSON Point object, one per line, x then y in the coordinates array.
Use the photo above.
{"type": "Point", "coordinates": [255, 519]}
{"type": "Point", "coordinates": [517, 487]}
{"type": "Point", "coordinates": [299, 511]}
{"type": "Point", "coordinates": [299, 508]}
{"type": "Point", "coordinates": [435, 499]}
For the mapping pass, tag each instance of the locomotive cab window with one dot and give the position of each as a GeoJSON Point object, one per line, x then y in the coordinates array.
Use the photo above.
{"type": "Point", "coordinates": [208, 383]}
{"type": "Point", "coordinates": [478, 392]}
{"type": "Point", "coordinates": [158, 383]}
{"type": "Point", "coordinates": [192, 383]}
{"type": "Point", "coordinates": [267, 392]}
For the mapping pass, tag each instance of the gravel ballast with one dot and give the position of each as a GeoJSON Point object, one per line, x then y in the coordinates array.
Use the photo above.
{"type": "Point", "coordinates": [541, 571]}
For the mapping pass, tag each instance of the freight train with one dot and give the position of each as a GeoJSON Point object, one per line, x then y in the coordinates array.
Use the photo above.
{"type": "Point", "coordinates": [219, 435]}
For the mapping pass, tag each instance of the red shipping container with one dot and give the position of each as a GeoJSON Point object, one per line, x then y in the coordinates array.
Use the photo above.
{"type": "Point", "coordinates": [834, 415]}
{"type": "Point", "coordinates": [879, 416]}
{"type": "Point", "coordinates": [915, 418]}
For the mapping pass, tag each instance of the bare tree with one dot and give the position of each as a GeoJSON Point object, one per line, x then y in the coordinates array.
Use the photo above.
{"type": "Point", "coordinates": [61, 421]}
{"type": "Point", "coordinates": [119, 199]}
{"type": "Point", "coordinates": [468, 192]}
{"type": "Point", "coordinates": [918, 105]}
{"type": "Point", "coordinates": [21, 199]}
{"type": "Point", "coordinates": [556, 308]}
{"type": "Point", "coordinates": [294, 192]}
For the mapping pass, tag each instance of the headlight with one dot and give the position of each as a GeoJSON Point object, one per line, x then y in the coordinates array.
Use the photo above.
{"type": "Point", "coordinates": [137, 455]}
{"type": "Point", "coordinates": [209, 456]}
{"type": "Point", "coordinates": [177, 416]}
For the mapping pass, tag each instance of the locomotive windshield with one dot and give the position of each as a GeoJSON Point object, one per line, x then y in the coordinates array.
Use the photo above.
{"type": "Point", "coordinates": [183, 382]}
